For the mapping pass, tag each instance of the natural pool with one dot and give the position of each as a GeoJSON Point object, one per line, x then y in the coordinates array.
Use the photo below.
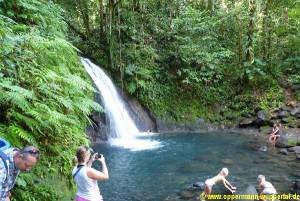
{"type": "Point", "coordinates": [152, 175]}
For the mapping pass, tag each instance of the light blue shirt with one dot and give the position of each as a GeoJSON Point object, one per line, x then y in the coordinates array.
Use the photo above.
{"type": "Point", "coordinates": [13, 172]}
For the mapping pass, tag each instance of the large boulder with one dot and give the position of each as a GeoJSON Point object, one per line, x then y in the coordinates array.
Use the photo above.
{"type": "Point", "coordinates": [249, 191]}
{"type": "Point", "coordinates": [294, 149]}
{"type": "Point", "coordinates": [283, 114]}
{"type": "Point", "coordinates": [286, 142]}
{"type": "Point", "coordinates": [262, 118]}
{"type": "Point", "coordinates": [247, 122]}
{"type": "Point", "coordinates": [288, 138]}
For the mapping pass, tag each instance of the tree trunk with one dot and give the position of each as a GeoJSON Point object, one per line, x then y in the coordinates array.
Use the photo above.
{"type": "Point", "coordinates": [101, 15]}
{"type": "Point", "coordinates": [109, 34]}
{"type": "Point", "coordinates": [120, 46]}
{"type": "Point", "coordinates": [83, 8]}
{"type": "Point", "coordinates": [240, 41]}
{"type": "Point", "coordinates": [250, 32]}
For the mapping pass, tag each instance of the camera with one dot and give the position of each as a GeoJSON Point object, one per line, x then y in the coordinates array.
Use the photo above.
{"type": "Point", "coordinates": [97, 156]}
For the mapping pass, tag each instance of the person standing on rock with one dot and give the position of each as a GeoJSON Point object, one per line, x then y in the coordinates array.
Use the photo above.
{"type": "Point", "coordinates": [86, 177]}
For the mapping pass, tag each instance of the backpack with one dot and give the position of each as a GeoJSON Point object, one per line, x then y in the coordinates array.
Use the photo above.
{"type": "Point", "coordinates": [4, 145]}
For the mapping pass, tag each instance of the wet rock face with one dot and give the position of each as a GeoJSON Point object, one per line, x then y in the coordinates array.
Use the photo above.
{"type": "Point", "coordinates": [168, 126]}
{"type": "Point", "coordinates": [247, 122]}
{"type": "Point", "coordinates": [142, 117]}
{"type": "Point", "coordinates": [99, 130]}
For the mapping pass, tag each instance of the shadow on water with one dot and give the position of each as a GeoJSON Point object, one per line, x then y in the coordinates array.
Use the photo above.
{"type": "Point", "coordinates": [152, 175]}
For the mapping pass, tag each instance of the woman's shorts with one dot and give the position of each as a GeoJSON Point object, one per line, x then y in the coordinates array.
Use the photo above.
{"type": "Point", "coordinates": [78, 198]}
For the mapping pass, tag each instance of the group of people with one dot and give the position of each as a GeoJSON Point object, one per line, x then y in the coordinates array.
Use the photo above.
{"type": "Point", "coordinates": [263, 187]}
{"type": "Point", "coordinates": [85, 176]}
{"type": "Point", "coordinates": [13, 161]}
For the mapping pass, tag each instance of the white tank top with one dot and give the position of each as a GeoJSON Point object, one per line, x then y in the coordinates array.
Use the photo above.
{"type": "Point", "coordinates": [87, 188]}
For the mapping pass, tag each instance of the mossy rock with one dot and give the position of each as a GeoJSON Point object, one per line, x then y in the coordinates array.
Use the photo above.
{"type": "Point", "coordinates": [292, 143]}
{"type": "Point", "coordinates": [265, 130]}
{"type": "Point", "coordinates": [186, 195]}
{"type": "Point", "coordinates": [286, 142]}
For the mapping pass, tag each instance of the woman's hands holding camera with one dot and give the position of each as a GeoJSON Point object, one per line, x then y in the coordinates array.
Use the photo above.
{"type": "Point", "coordinates": [101, 158]}
{"type": "Point", "coordinates": [98, 157]}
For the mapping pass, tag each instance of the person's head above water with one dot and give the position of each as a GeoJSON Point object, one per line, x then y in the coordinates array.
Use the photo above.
{"type": "Point", "coordinates": [224, 172]}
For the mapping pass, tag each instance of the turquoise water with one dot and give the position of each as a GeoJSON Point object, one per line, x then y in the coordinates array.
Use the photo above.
{"type": "Point", "coordinates": [152, 175]}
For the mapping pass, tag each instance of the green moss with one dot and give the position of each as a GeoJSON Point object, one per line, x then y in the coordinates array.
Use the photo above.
{"type": "Point", "coordinates": [292, 142]}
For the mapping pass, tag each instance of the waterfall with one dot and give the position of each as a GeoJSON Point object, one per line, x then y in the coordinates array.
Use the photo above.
{"type": "Point", "coordinates": [122, 130]}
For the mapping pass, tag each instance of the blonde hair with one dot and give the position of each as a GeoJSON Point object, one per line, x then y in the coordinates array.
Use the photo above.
{"type": "Point", "coordinates": [224, 172]}
{"type": "Point", "coordinates": [260, 178]}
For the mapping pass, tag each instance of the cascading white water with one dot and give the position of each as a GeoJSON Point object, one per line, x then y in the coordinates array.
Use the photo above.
{"type": "Point", "coordinates": [123, 131]}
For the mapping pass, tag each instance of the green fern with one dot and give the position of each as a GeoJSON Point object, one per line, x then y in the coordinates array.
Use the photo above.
{"type": "Point", "coordinates": [45, 96]}
{"type": "Point", "coordinates": [21, 133]}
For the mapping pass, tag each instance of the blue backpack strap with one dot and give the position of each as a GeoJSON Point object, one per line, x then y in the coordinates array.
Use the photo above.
{"type": "Point", "coordinates": [79, 168]}
{"type": "Point", "coordinates": [4, 144]}
{"type": "Point", "coordinates": [5, 160]}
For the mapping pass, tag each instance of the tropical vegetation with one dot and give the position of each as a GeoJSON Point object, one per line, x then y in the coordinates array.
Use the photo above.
{"type": "Point", "coordinates": [182, 59]}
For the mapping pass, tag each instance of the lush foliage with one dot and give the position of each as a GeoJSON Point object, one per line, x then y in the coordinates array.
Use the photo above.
{"type": "Point", "coordinates": [45, 98]}
{"type": "Point", "coordinates": [189, 58]}
{"type": "Point", "coordinates": [184, 59]}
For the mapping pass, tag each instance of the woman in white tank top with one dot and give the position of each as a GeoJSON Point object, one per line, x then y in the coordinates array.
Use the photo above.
{"type": "Point", "coordinates": [86, 177]}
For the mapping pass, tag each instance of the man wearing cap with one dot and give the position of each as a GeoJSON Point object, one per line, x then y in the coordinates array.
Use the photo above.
{"type": "Point", "coordinates": [12, 161]}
